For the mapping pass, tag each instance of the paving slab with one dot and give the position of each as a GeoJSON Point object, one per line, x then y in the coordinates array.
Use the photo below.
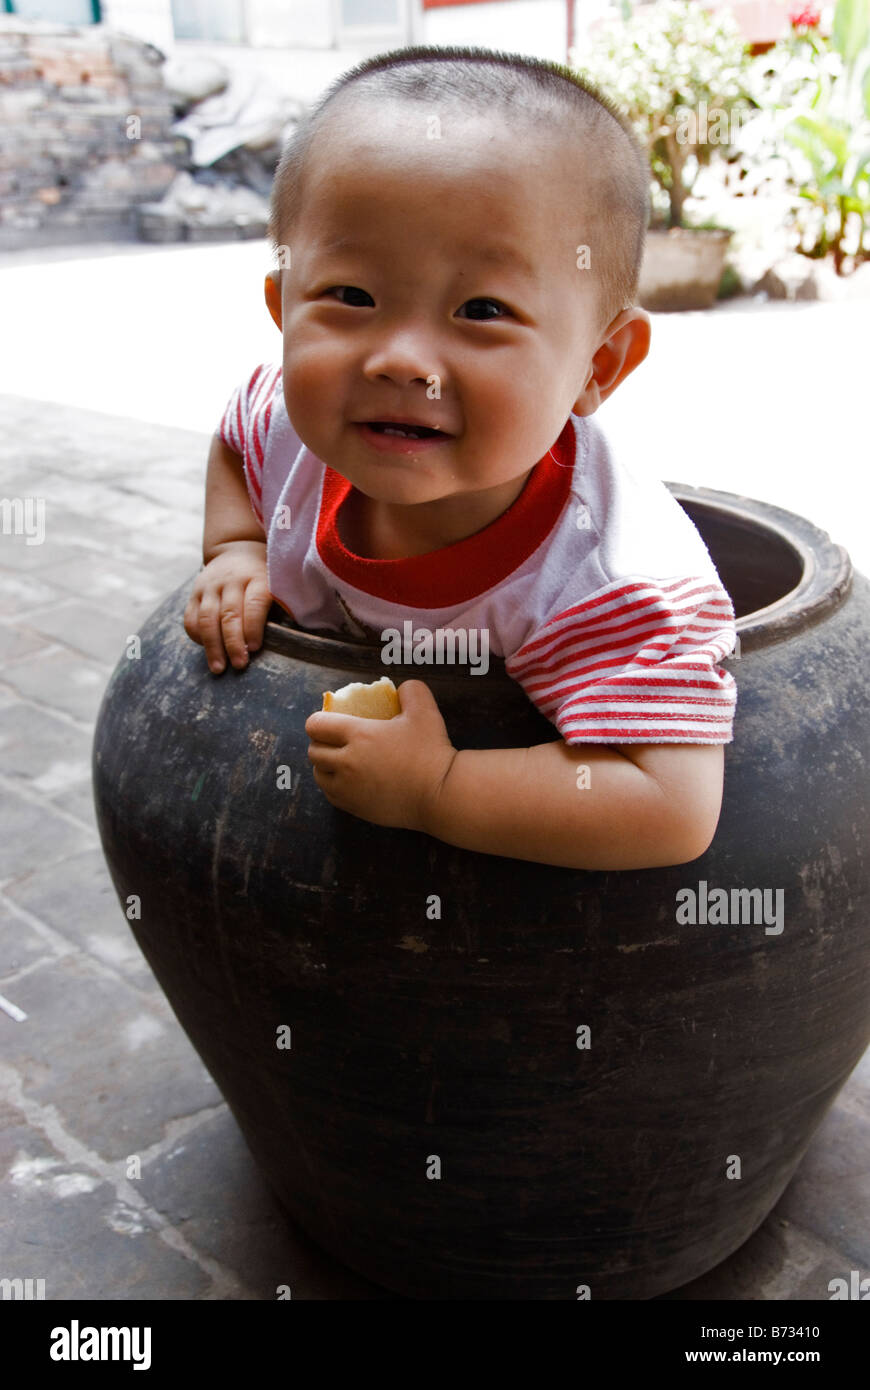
{"type": "Point", "coordinates": [41, 750]}
{"type": "Point", "coordinates": [77, 801]}
{"type": "Point", "coordinates": [95, 632]}
{"type": "Point", "coordinates": [77, 898]}
{"type": "Point", "coordinates": [67, 497]}
{"type": "Point", "coordinates": [780, 1263]}
{"type": "Point", "coordinates": [258, 1243]}
{"type": "Point", "coordinates": [62, 1222]}
{"type": "Point", "coordinates": [19, 593]}
{"type": "Point", "coordinates": [111, 1060]}
{"type": "Point", "coordinates": [185, 529]}
{"type": "Point", "coordinates": [17, 641]}
{"type": "Point", "coordinates": [830, 1195]}
{"type": "Point", "coordinates": [21, 947]}
{"type": "Point", "coordinates": [24, 559]}
{"type": "Point", "coordinates": [183, 495]}
{"type": "Point", "coordinates": [32, 832]}
{"type": "Point", "coordinates": [61, 679]}
{"type": "Point", "coordinates": [106, 449]}
{"type": "Point", "coordinates": [101, 576]}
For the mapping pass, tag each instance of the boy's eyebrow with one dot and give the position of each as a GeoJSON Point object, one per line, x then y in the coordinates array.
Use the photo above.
{"type": "Point", "coordinates": [500, 255]}
{"type": "Point", "coordinates": [503, 255]}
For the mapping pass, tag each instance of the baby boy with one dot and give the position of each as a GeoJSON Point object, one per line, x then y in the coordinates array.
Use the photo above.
{"type": "Point", "coordinates": [459, 235]}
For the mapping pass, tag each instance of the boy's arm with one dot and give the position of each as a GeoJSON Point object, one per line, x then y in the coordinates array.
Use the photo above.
{"type": "Point", "coordinates": [229, 517]}
{"type": "Point", "coordinates": [637, 806]}
{"type": "Point", "coordinates": [230, 601]}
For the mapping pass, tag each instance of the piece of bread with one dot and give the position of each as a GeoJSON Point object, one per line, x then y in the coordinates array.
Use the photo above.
{"type": "Point", "coordinates": [380, 700]}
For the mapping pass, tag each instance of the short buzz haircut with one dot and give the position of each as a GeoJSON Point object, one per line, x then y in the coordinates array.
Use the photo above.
{"type": "Point", "coordinates": [479, 81]}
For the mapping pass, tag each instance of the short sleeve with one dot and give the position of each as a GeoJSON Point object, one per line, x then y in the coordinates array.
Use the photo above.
{"type": "Point", "coordinates": [636, 662]}
{"type": "Point", "coordinates": [244, 428]}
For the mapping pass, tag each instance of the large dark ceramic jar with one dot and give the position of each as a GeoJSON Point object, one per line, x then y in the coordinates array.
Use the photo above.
{"type": "Point", "coordinates": [434, 1117]}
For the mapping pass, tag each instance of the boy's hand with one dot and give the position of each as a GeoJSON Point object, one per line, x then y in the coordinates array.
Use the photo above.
{"type": "Point", "coordinates": [387, 771]}
{"type": "Point", "coordinates": [229, 604]}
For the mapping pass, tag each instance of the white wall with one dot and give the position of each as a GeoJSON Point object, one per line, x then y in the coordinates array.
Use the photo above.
{"type": "Point", "coordinates": [303, 73]}
{"type": "Point", "coordinates": [537, 28]}
{"type": "Point", "coordinates": [305, 23]}
{"type": "Point", "coordinates": [150, 20]}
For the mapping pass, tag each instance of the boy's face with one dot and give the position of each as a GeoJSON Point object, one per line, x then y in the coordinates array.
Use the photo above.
{"type": "Point", "coordinates": [429, 324]}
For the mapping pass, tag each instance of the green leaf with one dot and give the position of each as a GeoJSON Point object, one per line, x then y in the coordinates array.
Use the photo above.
{"type": "Point", "coordinates": [851, 28]}
{"type": "Point", "coordinates": [823, 135]}
{"type": "Point", "coordinates": [856, 166]}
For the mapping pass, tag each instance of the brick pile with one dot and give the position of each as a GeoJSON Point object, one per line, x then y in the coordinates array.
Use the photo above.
{"type": "Point", "coordinates": [85, 132]}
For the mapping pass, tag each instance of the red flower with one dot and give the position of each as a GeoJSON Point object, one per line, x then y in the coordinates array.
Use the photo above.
{"type": "Point", "coordinates": [804, 17]}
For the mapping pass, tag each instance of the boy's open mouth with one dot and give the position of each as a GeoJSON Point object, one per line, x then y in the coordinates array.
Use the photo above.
{"type": "Point", "coordinates": [404, 431]}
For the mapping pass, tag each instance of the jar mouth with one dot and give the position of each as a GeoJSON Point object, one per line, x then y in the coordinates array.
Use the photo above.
{"type": "Point", "coordinates": [781, 572]}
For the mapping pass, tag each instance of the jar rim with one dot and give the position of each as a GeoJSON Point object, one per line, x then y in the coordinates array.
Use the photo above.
{"type": "Point", "coordinates": [824, 567]}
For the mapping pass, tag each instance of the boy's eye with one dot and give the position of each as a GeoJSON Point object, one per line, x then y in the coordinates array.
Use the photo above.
{"type": "Point", "coordinates": [474, 304]}
{"type": "Point", "coordinates": [480, 318]}
{"type": "Point", "coordinates": [350, 289]}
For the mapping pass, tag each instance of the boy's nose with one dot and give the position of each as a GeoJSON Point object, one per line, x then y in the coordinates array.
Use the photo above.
{"type": "Point", "coordinates": [405, 356]}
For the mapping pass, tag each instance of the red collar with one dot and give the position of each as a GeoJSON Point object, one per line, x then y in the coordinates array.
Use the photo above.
{"type": "Point", "coordinates": [470, 567]}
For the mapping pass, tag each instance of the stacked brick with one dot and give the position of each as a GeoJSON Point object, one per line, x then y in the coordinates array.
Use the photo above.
{"type": "Point", "coordinates": [85, 132]}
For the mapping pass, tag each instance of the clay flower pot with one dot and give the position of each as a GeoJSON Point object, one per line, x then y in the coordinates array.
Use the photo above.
{"type": "Point", "coordinates": [565, 1078]}
{"type": "Point", "coordinates": [682, 268]}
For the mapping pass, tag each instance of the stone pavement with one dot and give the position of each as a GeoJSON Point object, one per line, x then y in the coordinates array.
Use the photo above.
{"type": "Point", "coordinates": [100, 1069]}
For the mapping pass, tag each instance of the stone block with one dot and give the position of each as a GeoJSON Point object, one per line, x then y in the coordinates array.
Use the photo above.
{"type": "Point", "coordinates": [28, 829]}
{"type": "Point", "coordinates": [20, 946]}
{"type": "Point", "coordinates": [113, 1062]}
{"type": "Point", "coordinates": [63, 1222]}
{"type": "Point", "coordinates": [20, 103]}
{"type": "Point", "coordinates": [76, 898]}
{"type": "Point", "coordinates": [780, 1263]}
{"type": "Point", "coordinates": [90, 630]}
{"type": "Point", "coordinates": [789, 277]}
{"type": "Point", "coordinates": [208, 1184]}
{"type": "Point", "coordinates": [17, 642]}
{"type": "Point", "coordinates": [20, 593]}
{"type": "Point", "coordinates": [77, 801]}
{"type": "Point", "coordinates": [185, 497]}
{"type": "Point", "coordinates": [42, 752]}
{"type": "Point", "coordinates": [70, 98]}
{"type": "Point", "coordinates": [830, 1194]}
{"type": "Point", "coordinates": [63, 681]}
{"type": "Point", "coordinates": [22, 559]}
{"type": "Point", "coordinates": [99, 575]}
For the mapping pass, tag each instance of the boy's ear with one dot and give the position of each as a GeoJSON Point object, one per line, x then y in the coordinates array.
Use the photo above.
{"type": "Point", "coordinates": [273, 295]}
{"type": "Point", "coordinates": [625, 346]}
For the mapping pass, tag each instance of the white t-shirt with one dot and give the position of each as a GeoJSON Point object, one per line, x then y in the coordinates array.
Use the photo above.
{"type": "Point", "coordinates": [594, 585]}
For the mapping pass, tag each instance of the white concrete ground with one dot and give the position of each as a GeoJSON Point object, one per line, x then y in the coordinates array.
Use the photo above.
{"type": "Point", "coordinates": [768, 400]}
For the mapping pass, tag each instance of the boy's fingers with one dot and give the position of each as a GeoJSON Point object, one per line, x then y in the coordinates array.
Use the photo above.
{"type": "Point", "coordinates": [258, 601]}
{"type": "Point", "coordinates": [232, 623]}
{"type": "Point", "coordinates": [191, 620]}
{"type": "Point", "coordinates": [210, 634]}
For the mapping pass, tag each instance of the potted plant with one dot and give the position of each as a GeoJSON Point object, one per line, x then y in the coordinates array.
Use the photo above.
{"type": "Point", "coordinates": [678, 73]}
{"type": "Point", "coordinates": [819, 92]}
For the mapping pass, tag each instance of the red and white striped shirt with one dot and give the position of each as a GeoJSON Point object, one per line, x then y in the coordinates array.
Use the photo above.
{"type": "Point", "coordinates": [594, 585]}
